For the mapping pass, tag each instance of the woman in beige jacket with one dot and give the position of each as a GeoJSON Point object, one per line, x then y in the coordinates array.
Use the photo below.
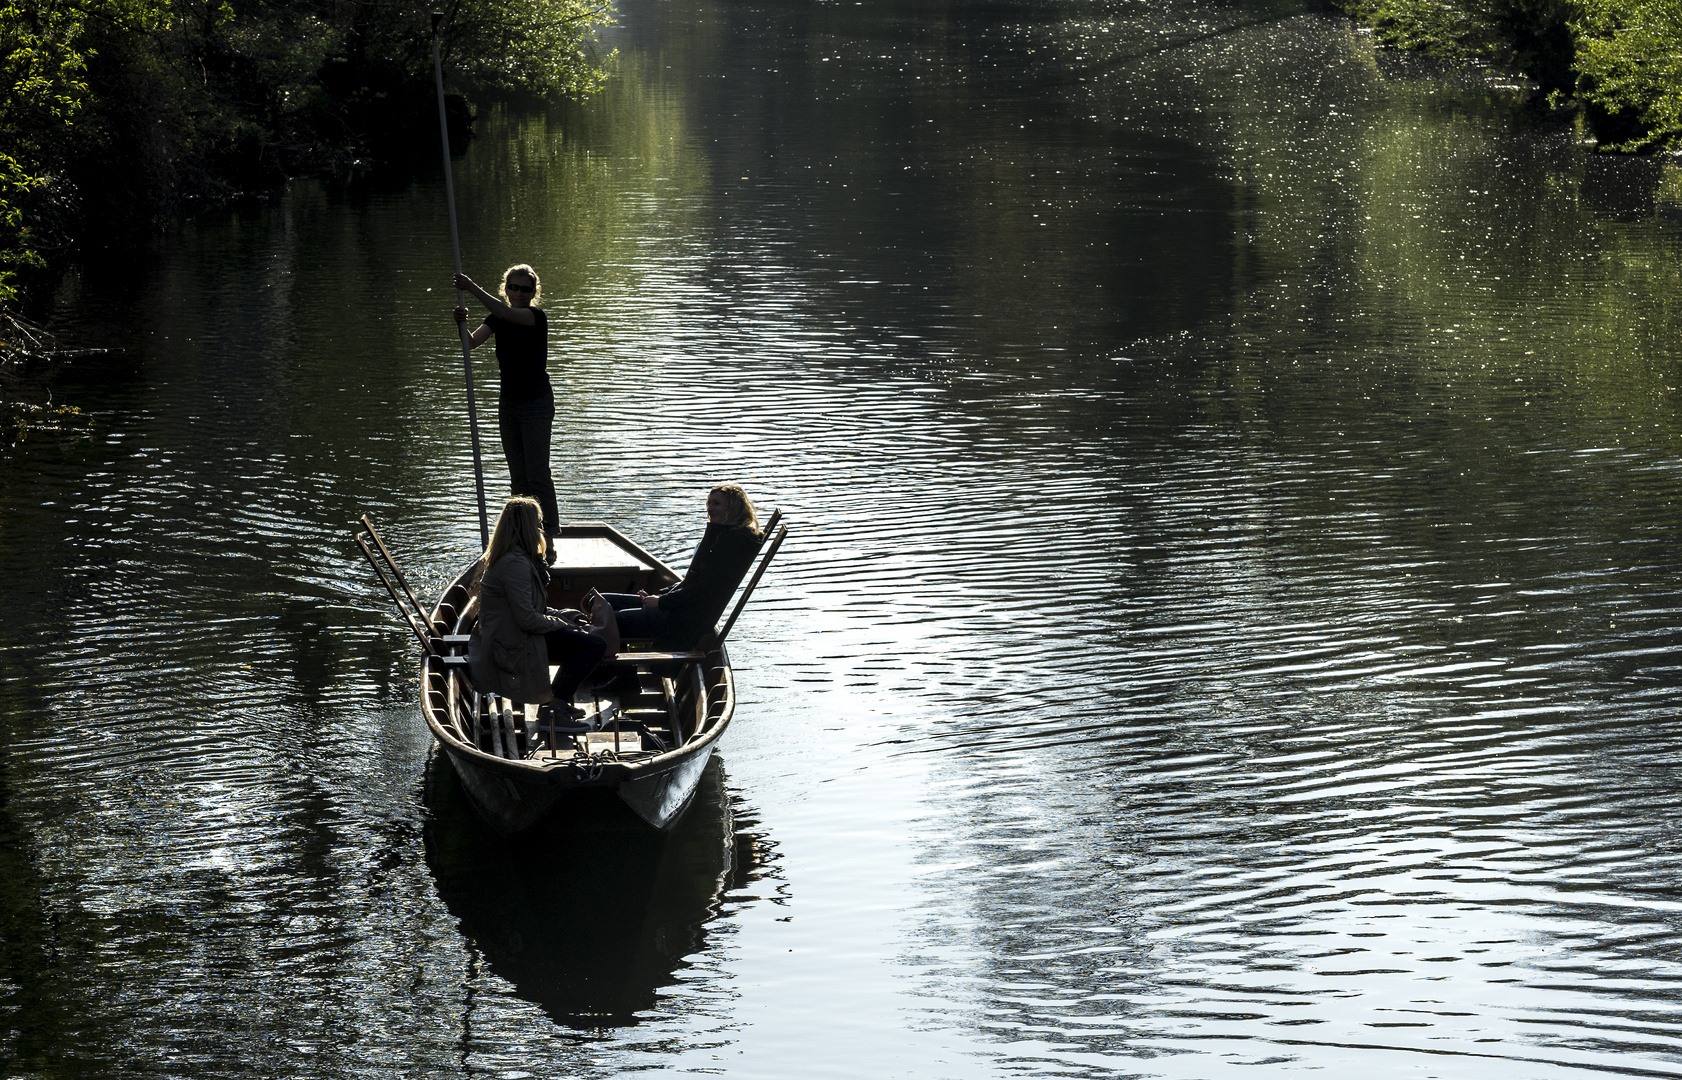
{"type": "Point", "coordinates": [517, 635]}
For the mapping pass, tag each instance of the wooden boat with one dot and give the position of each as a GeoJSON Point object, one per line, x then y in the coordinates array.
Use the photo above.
{"type": "Point", "coordinates": [661, 713]}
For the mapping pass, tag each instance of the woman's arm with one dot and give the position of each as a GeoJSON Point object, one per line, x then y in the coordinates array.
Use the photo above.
{"type": "Point", "coordinates": [480, 333]}
{"type": "Point", "coordinates": [529, 606]}
{"type": "Point", "coordinates": [499, 310]}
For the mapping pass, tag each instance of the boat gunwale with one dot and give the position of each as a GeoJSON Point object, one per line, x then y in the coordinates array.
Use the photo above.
{"type": "Point", "coordinates": [615, 771]}
{"type": "Point", "coordinates": [537, 767]}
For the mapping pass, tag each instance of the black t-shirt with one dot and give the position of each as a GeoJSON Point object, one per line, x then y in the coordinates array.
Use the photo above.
{"type": "Point", "coordinates": [522, 357]}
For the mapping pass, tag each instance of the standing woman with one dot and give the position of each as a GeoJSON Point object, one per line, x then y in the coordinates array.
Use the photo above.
{"type": "Point", "coordinates": [525, 409]}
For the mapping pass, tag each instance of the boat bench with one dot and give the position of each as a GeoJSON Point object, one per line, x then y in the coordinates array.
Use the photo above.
{"type": "Point", "coordinates": [653, 659]}
{"type": "Point", "coordinates": [650, 658]}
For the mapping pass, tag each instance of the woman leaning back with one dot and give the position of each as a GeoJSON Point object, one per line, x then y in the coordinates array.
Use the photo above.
{"type": "Point", "coordinates": [678, 615]}
{"type": "Point", "coordinates": [517, 636]}
{"type": "Point", "coordinates": [525, 410]}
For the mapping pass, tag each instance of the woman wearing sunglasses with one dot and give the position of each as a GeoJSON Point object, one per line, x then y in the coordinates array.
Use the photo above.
{"type": "Point", "coordinates": [525, 410]}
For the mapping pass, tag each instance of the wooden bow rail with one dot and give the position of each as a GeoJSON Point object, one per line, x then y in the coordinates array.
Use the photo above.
{"type": "Point", "coordinates": [385, 568]}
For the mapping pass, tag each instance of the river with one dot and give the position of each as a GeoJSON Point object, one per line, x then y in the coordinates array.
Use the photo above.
{"type": "Point", "coordinates": [1230, 614]}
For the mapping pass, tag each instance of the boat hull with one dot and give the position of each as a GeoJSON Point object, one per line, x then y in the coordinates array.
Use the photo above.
{"type": "Point", "coordinates": [660, 799]}
{"type": "Point", "coordinates": [516, 800]}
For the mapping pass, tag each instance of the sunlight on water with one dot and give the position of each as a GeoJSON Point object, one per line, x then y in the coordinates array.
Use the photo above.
{"type": "Point", "coordinates": [1228, 617]}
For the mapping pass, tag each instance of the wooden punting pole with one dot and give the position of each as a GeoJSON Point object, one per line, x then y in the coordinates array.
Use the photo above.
{"type": "Point", "coordinates": [455, 244]}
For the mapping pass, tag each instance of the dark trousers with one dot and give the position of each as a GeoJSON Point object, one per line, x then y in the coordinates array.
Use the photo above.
{"type": "Point", "coordinates": [525, 428]}
{"type": "Point", "coordinates": [636, 621]}
{"type": "Point", "coordinates": [669, 630]}
{"type": "Point", "coordinates": [577, 653]}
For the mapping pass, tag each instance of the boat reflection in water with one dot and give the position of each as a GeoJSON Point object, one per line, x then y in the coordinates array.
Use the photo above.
{"type": "Point", "coordinates": [590, 914]}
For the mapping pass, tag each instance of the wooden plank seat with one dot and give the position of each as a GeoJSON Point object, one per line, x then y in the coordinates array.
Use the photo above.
{"type": "Point", "coordinates": [654, 659]}
{"type": "Point", "coordinates": [650, 657]}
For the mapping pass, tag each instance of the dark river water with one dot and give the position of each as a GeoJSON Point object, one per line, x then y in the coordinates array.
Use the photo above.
{"type": "Point", "coordinates": [1230, 617]}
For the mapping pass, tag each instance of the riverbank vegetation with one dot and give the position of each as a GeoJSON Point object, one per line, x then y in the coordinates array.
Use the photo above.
{"type": "Point", "coordinates": [1618, 59]}
{"type": "Point", "coordinates": [26, 355]}
{"type": "Point", "coordinates": [118, 114]}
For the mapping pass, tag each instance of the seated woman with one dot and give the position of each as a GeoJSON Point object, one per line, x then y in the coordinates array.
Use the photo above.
{"type": "Point", "coordinates": [678, 615]}
{"type": "Point", "coordinates": [518, 636]}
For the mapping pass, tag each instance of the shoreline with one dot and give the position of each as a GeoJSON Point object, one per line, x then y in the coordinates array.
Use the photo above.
{"type": "Point", "coordinates": [105, 140]}
{"type": "Point", "coordinates": [1611, 62]}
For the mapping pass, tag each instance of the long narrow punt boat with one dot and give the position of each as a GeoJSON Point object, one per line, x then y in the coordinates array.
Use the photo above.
{"type": "Point", "coordinates": [660, 714]}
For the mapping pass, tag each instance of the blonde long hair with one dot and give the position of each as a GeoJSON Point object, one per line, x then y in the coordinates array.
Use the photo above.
{"type": "Point", "coordinates": [522, 268]}
{"type": "Point", "coordinates": [741, 510]}
{"type": "Point", "coordinates": [518, 527]}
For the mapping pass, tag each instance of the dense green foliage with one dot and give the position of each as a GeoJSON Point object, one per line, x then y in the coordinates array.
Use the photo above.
{"type": "Point", "coordinates": [1621, 59]}
{"type": "Point", "coordinates": [1630, 57]}
{"type": "Point", "coordinates": [43, 62]}
{"type": "Point", "coordinates": [120, 112]}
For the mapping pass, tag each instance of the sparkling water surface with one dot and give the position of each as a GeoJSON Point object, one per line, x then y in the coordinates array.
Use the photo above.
{"type": "Point", "coordinates": [1229, 616]}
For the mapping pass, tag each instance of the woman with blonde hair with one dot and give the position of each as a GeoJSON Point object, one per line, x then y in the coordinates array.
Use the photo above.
{"type": "Point", "coordinates": [525, 409]}
{"type": "Point", "coordinates": [677, 616]}
{"type": "Point", "coordinates": [517, 635]}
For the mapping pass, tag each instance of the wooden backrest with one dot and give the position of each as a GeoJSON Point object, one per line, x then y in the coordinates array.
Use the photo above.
{"type": "Point", "coordinates": [759, 572]}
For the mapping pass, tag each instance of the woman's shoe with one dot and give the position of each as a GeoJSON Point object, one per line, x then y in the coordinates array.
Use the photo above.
{"type": "Point", "coordinates": [567, 719]}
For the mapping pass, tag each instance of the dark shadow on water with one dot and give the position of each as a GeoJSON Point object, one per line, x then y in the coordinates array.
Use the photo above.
{"type": "Point", "coordinates": [590, 913]}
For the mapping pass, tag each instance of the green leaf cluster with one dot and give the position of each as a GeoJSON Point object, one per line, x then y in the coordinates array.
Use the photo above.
{"type": "Point", "coordinates": [1433, 27]}
{"type": "Point", "coordinates": [1629, 55]}
{"type": "Point", "coordinates": [543, 50]}
{"type": "Point", "coordinates": [15, 233]}
{"type": "Point", "coordinates": [1621, 59]}
{"type": "Point", "coordinates": [43, 65]}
